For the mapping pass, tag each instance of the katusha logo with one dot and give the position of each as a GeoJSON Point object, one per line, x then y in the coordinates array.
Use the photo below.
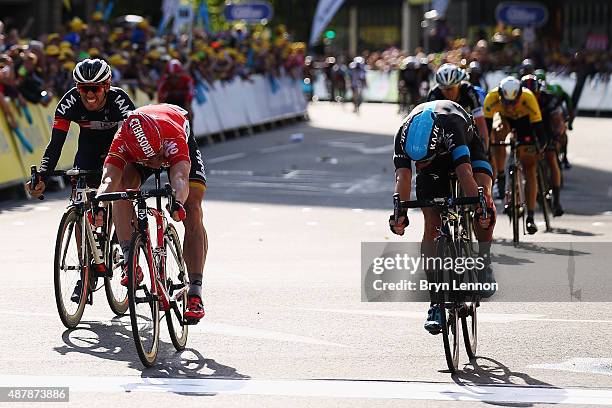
{"type": "Point", "coordinates": [136, 127]}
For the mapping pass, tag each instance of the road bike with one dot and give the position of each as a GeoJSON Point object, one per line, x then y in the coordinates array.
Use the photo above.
{"type": "Point", "coordinates": [84, 254]}
{"type": "Point", "coordinates": [157, 277]}
{"type": "Point", "coordinates": [453, 241]}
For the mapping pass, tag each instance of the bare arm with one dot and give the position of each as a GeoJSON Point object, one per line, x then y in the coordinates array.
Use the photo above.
{"type": "Point", "coordinates": [111, 179]}
{"type": "Point", "coordinates": [179, 179]}
{"type": "Point", "coordinates": [483, 130]}
{"type": "Point", "coordinates": [466, 179]}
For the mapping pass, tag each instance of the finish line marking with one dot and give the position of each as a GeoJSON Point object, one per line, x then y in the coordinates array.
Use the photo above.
{"type": "Point", "coordinates": [322, 388]}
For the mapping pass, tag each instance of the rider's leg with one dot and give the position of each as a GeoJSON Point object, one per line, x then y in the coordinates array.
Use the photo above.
{"type": "Point", "coordinates": [123, 212]}
{"type": "Point", "coordinates": [555, 173]}
{"type": "Point", "coordinates": [195, 242]}
{"type": "Point", "coordinates": [529, 162]}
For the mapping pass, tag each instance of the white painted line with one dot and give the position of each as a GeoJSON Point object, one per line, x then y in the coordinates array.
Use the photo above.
{"type": "Point", "coordinates": [370, 223]}
{"type": "Point", "coordinates": [273, 149]}
{"type": "Point", "coordinates": [312, 223]}
{"type": "Point", "coordinates": [255, 223]}
{"type": "Point", "coordinates": [580, 365]}
{"type": "Point", "coordinates": [598, 224]}
{"type": "Point", "coordinates": [42, 208]}
{"type": "Point", "coordinates": [482, 316]}
{"type": "Point", "coordinates": [17, 223]}
{"type": "Point", "coordinates": [230, 172]}
{"type": "Point", "coordinates": [306, 209]}
{"type": "Point", "coordinates": [321, 388]}
{"type": "Point", "coordinates": [225, 158]}
{"type": "Point", "coordinates": [357, 210]}
{"type": "Point", "coordinates": [255, 209]}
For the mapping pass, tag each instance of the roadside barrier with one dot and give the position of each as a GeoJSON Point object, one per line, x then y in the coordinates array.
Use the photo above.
{"type": "Point", "coordinates": [222, 107]}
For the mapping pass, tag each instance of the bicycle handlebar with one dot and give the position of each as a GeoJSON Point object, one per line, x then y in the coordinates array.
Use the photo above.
{"type": "Point", "coordinates": [167, 191]}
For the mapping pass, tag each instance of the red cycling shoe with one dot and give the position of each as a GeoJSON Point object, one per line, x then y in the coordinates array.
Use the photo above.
{"type": "Point", "coordinates": [195, 310]}
{"type": "Point", "coordinates": [124, 276]}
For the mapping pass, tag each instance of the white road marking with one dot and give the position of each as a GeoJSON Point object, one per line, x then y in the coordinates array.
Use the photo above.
{"type": "Point", "coordinates": [255, 209]}
{"type": "Point", "coordinates": [17, 223]}
{"type": "Point", "coordinates": [41, 208]}
{"type": "Point", "coordinates": [312, 223]}
{"type": "Point", "coordinates": [482, 317]}
{"type": "Point", "coordinates": [255, 223]}
{"type": "Point", "coordinates": [598, 224]}
{"type": "Point", "coordinates": [241, 331]}
{"type": "Point", "coordinates": [225, 158]}
{"type": "Point", "coordinates": [370, 223]}
{"type": "Point", "coordinates": [306, 209]}
{"type": "Point", "coordinates": [230, 172]}
{"type": "Point", "coordinates": [357, 210]}
{"type": "Point", "coordinates": [273, 149]}
{"type": "Point", "coordinates": [361, 148]}
{"type": "Point", "coordinates": [580, 365]}
{"type": "Point", "coordinates": [320, 388]}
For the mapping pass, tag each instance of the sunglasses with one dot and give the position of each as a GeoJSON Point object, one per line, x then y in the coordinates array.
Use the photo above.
{"type": "Point", "coordinates": [88, 88]}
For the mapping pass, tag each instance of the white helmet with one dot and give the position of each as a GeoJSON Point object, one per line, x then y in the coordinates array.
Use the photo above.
{"type": "Point", "coordinates": [449, 75]}
{"type": "Point", "coordinates": [510, 89]}
{"type": "Point", "coordinates": [91, 71]}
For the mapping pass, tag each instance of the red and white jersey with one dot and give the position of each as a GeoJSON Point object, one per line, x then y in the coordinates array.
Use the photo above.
{"type": "Point", "coordinates": [174, 128]}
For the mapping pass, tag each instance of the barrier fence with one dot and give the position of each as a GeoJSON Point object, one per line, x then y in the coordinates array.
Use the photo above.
{"type": "Point", "coordinates": [217, 108]}
{"type": "Point", "coordinates": [382, 87]}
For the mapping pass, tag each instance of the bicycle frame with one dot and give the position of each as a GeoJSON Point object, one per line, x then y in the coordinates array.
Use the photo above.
{"type": "Point", "coordinates": [157, 254]}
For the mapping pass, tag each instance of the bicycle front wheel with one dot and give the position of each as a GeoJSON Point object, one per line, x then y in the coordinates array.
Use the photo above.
{"type": "Point", "coordinates": [70, 268]}
{"type": "Point", "coordinates": [469, 325]}
{"type": "Point", "coordinates": [544, 195]}
{"type": "Point", "coordinates": [143, 302]}
{"type": "Point", "coordinates": [176, 283]}
{"type": "Point", "coordinates": [514, 204]}
{"type": "Point", "coordinates": [450, 317]}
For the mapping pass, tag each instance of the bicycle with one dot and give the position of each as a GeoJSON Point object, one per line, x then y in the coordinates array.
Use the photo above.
{"type": "Point", "coordinates": [84, 253]}
{"type": "Point", "coordinates": [453, 242]}
{"type": "Point", "coordinates": [164, 282]}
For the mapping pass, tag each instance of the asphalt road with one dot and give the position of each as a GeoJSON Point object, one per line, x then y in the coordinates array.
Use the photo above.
{"type": "Point", "coordinates": [286, 213]}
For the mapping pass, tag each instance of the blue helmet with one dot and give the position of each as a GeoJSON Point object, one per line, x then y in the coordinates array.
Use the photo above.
{"type": "Point", "coordinates": [424, 134]}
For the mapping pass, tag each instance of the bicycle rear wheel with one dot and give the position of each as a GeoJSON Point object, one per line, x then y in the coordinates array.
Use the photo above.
{"type": "Point", "coordinates": [70, 266]}
{"type": "Point", "coordinates": [116, 294]}
{"type": "Point", "coordinates": [176, 284]}
{"type": "Point", "coordinates": [469, 325]}
{"type": "Point", "coordinates": [144, 305]}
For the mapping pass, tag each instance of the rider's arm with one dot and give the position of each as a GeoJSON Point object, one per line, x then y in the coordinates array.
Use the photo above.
{"type": "Point", "coordinates": [54, 148]}
{"type": "Point", "coordinates": [466, 179]}
{"type": "Point", "coordinates": [111, 178]}
{"type": "Point", "coordinates": [179, 179]}
{"type": "Point", "coordinates": [403, 166]}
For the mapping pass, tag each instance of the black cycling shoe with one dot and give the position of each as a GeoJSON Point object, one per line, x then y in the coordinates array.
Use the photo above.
{"type": "Point", "coordinates": [434, 320]}
{"type": "Point", "coordinates": [532, 228]}
{"type": "Point", "coordinates": [558, 210]}
{"type": "Point", "coordinates": [76, 294]}
{"type": "Point", "coordinates": [487, 277]}
{"type": "Point", "coordinates": [566, 165]}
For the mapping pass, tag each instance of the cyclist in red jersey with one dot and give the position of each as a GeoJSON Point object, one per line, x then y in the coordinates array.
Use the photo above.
{"type": "Point", "coordinates": [176, 86]}
{"type": "Point", "coordinates": [150, 137]}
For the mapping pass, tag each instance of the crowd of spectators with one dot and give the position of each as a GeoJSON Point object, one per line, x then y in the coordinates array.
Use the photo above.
{"type": "Point", "coordinates": [34, 70]}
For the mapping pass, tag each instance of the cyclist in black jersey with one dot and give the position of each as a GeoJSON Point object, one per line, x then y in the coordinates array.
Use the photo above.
{"type": "Point", "coordinates": [440, 137]}
{"type": "Point", "coordinates": [554, 126]}
{"type": "Point", "coordinates": [452, 84]}
{"type": "Point", "coordinates": [98, 108]}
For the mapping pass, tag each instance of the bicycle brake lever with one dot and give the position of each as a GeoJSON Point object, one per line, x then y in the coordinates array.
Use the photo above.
{"type": "Point", "coordinates": [396, 207]}
{"type": "Point", "coordinates": [34, 179]}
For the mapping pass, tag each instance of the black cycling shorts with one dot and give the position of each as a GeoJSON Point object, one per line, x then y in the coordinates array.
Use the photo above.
{"type": "Point", "coordinates": [433, 181]}
{"type": "Point", "coordinates": [197, 173]}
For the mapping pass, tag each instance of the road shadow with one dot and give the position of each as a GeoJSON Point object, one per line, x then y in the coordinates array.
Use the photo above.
{"type": "Point", "coordinates": [113, 341]}
{"type": "Point", "coordinates": [485, 371]}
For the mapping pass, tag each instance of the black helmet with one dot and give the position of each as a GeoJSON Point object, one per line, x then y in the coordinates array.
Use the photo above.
{"type": "Point", "coordinates": [90, 71]}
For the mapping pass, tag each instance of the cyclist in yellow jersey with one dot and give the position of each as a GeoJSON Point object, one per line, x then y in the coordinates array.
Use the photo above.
{"type": "Point", "coordinates": [519, 107]}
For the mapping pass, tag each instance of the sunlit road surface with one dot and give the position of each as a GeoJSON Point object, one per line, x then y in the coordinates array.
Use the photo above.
{"type": "Point", "coordinates": [286, 213]}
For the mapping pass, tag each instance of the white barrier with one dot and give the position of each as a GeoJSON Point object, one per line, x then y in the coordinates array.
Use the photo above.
{"type": "Point", "coordinates": [240, 103]}
{"type": "Point", "coordinates": [382, 87]}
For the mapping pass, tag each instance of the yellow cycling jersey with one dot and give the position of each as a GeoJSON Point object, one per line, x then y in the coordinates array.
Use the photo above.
{"type": "Point", "coordinates": [527, 106]}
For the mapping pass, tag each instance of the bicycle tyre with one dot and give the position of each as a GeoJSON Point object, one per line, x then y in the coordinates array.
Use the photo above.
{"type": "Point", "coordinates": [70, 320]}
{"type": "Point", "coordinates": [139, 294]}
{"type": "Point", "coordinates": [176, 281]}
{"type": "Point", "coordinates": [544, 195]}
{"type": "Point", "coordinates": [469, 325]}
{"type": "Point", "coordinates": [450, 333]}
{"type": "Point", "coordinates": [514, 204]}
{"type": "Point", "coordinates": [116, 294]}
